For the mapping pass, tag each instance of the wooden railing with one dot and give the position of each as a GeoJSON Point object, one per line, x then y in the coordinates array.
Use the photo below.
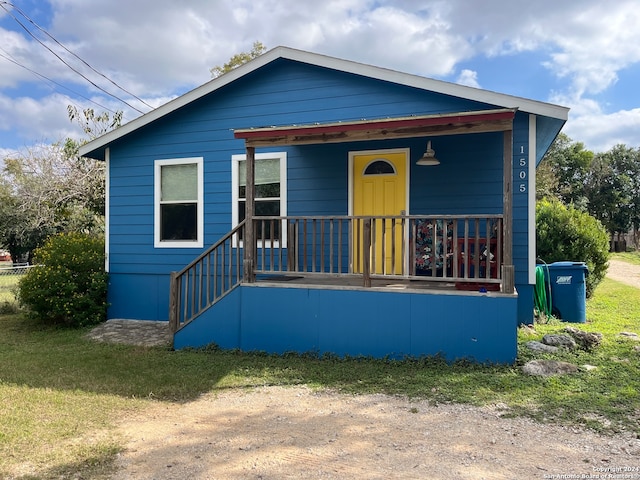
{"type": "Point", "coordinates": [461, 249]}
{"type": "Point", "coordinates": [438, 248]}
{"type": "Point", "coordinates": [206, 280]}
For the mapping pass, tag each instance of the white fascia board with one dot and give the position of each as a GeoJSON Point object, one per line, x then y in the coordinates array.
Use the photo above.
{"type": "Point", "coordinates": [423, 83]}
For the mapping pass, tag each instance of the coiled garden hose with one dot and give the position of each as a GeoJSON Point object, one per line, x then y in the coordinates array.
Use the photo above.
{"type": "Point", "coordinates": [542, 291]}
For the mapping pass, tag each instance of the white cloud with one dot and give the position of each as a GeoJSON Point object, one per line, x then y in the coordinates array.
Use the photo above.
{"type": "Point", "coordinates": [31, 117]}
{"type": "Point", "coordinates": [581, 38]}
{"type": "Point", "coordinates": [396, 39]}
{"type": "Point", "coordinates": [600, 132]}
{"type": "Point", "coordinates": [469, 78]}
{"type": "Point", "coordinates": [174, 45]}
{"type": "Point", "coordinates": [602, 41]}
{"type": "Point", "coordinates": [151, 51]}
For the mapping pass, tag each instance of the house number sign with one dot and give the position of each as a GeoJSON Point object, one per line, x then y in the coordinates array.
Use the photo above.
{"type": "Point", "coordinates": [521, 171]}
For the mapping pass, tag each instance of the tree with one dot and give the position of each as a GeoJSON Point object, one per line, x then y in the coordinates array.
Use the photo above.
{"type": "Point", "coordinates": [53, 187]}
{"type": "Point", "coordinates": [92, 124]}
{"type": "Point", "coordinates": [563, 171]}
{"type": "Point", "coordinates": [239, 59]}
{"type": "Point", "coordinates": [16, 233]}
{"type": "Point", "coordinates": [47, 189]}
{"type": "Point", "coordinates": [546, 180]}
{"type": "Point", "coordinates": [613, 189]}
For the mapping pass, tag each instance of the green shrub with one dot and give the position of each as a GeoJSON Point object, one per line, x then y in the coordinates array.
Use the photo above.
{"type": "Point", "coordinates": [69, 287]}
{"type": "Point", "coordinates": [564, 233]}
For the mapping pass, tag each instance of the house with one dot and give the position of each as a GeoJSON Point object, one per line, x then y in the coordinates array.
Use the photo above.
{"type": "Point", "coordinates": [307, 203]}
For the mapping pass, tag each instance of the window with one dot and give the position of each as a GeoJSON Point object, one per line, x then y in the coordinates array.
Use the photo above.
{"type": "Point", "coordinates": [271, 189]}
{"type": "Point", "coordinates": [178, 203]}
{"type": "Point", "coordinates": [379, 167]}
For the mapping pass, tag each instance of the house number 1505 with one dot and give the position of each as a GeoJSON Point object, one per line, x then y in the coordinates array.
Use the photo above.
{"type": "Point", "coordinates": [522, 174]}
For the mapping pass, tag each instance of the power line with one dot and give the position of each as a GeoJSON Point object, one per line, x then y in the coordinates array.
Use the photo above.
{"type": "Point", "coordinates": [2, 5]}
{"type": "Point", "coordinates": [10, 58]}
{"type": "Point", "coordinates": [75, 55]}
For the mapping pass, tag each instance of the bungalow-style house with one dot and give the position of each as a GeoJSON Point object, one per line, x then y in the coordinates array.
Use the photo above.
{"type": "Point", "coordinates": [312, 204]}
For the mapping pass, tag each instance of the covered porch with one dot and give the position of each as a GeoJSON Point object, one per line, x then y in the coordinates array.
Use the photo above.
{"type": "Point", "coordinates": [459, 263]}
{"type": "Point", "coordinates": [391, 241]}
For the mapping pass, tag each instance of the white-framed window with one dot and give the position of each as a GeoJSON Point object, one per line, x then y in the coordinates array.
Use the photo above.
{"type": "Point", "coordinates": [179, 204]}
{"type": "Point", "coordinates": [271, 191]}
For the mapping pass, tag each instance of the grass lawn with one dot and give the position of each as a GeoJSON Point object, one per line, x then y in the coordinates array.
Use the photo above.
{"type": "Point", "coordinates": [61, 394]}
{"type": "Point", "coordinates": [629, 257]}
{"type": "Point", "coordinates": [7, 285]}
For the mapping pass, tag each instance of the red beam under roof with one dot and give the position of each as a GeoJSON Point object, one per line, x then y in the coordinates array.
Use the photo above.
{"type": "Point", "coordinates": [385, 127]}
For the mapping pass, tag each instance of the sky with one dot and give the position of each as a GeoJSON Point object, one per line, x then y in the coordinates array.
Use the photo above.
{"type": "Point", "coordinates": [135, 55]}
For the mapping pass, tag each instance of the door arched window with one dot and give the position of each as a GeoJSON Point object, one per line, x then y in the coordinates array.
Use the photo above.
{"type": "Point", "coordinates": [380, 166]}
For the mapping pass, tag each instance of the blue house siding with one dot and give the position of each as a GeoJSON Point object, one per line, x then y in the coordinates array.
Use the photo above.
{"type": "Point", "coordinates": [359, 322]}
{"type": "Point", "coordinates": [140, 296]}
{"type": "Point", "coordinates": [466, 182]}
{"type": "Point", "coordinates": [281, 93]}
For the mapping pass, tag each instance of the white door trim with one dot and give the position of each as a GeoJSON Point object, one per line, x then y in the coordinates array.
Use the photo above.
{"type": "Point", "coordinates": [354, 153]}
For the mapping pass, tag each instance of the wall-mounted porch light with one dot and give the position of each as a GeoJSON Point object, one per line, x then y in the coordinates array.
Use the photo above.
{"type": "Point", "coordinates": [428, 157]}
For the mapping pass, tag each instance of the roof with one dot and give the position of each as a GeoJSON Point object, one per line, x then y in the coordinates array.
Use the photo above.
{"type": "Point", "coordinates": [428, 84]}
{"type": "Point", "coordinates": [384, 128]}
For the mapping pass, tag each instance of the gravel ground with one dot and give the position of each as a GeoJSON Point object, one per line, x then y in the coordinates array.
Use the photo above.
{"type": "Point", "coordinates": [296, 433]}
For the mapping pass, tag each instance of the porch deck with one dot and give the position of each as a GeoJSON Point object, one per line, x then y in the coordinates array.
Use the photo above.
{"type": "Point", "coordinates": [392, 283]}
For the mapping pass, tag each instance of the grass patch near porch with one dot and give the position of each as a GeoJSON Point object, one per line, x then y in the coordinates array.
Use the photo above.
{"type": "Point", "coordinates": [62, 395]}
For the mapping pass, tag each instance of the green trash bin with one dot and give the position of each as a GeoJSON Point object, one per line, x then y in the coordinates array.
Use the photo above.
{"type": "Point", "coordinates": [568, 290]}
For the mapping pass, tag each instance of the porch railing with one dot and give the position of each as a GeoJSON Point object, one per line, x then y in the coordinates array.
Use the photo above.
{"type": "Point", "coordinates": [206, 280]}
{"type": "Point", "coordinates": [441, 248]}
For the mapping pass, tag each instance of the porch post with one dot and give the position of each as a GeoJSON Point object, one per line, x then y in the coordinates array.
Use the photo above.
{"type": "Point", "coordinates": [508, 271]}
{"type": "Point", "coordinates": [174, 302]}
{"type": "Point", "coordinates": [249, 234]}
{"type": "Point", "coordinates": [366, 253]}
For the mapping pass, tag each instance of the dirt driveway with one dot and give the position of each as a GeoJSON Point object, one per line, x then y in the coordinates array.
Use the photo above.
{"type": "Point", "coordinates": [624, 272]}
{"type": "Point", "coordinates": [296, 433]}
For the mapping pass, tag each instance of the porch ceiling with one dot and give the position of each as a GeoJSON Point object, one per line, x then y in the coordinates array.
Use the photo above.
{"type": "Point", "coordinates": [479, 121]}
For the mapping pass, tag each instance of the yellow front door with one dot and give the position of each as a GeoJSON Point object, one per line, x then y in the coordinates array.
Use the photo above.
{"type": "Point", "coordinates": [379, 189]}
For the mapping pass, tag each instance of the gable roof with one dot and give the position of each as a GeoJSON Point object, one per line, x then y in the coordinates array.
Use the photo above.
{"type": "Point", "coordinates": [379, 73]}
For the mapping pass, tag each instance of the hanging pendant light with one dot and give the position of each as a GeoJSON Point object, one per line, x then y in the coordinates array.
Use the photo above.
{"type": "Point", "coordinates": [429, 157]}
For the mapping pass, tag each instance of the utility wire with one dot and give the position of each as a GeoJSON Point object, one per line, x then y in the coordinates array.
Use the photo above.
{"type": "Point", "coordinates": [8, 57]}
{"type": "Point", "coordinates": [2, 5]}
{"type": "Point", "coordinates": [75, 55]}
